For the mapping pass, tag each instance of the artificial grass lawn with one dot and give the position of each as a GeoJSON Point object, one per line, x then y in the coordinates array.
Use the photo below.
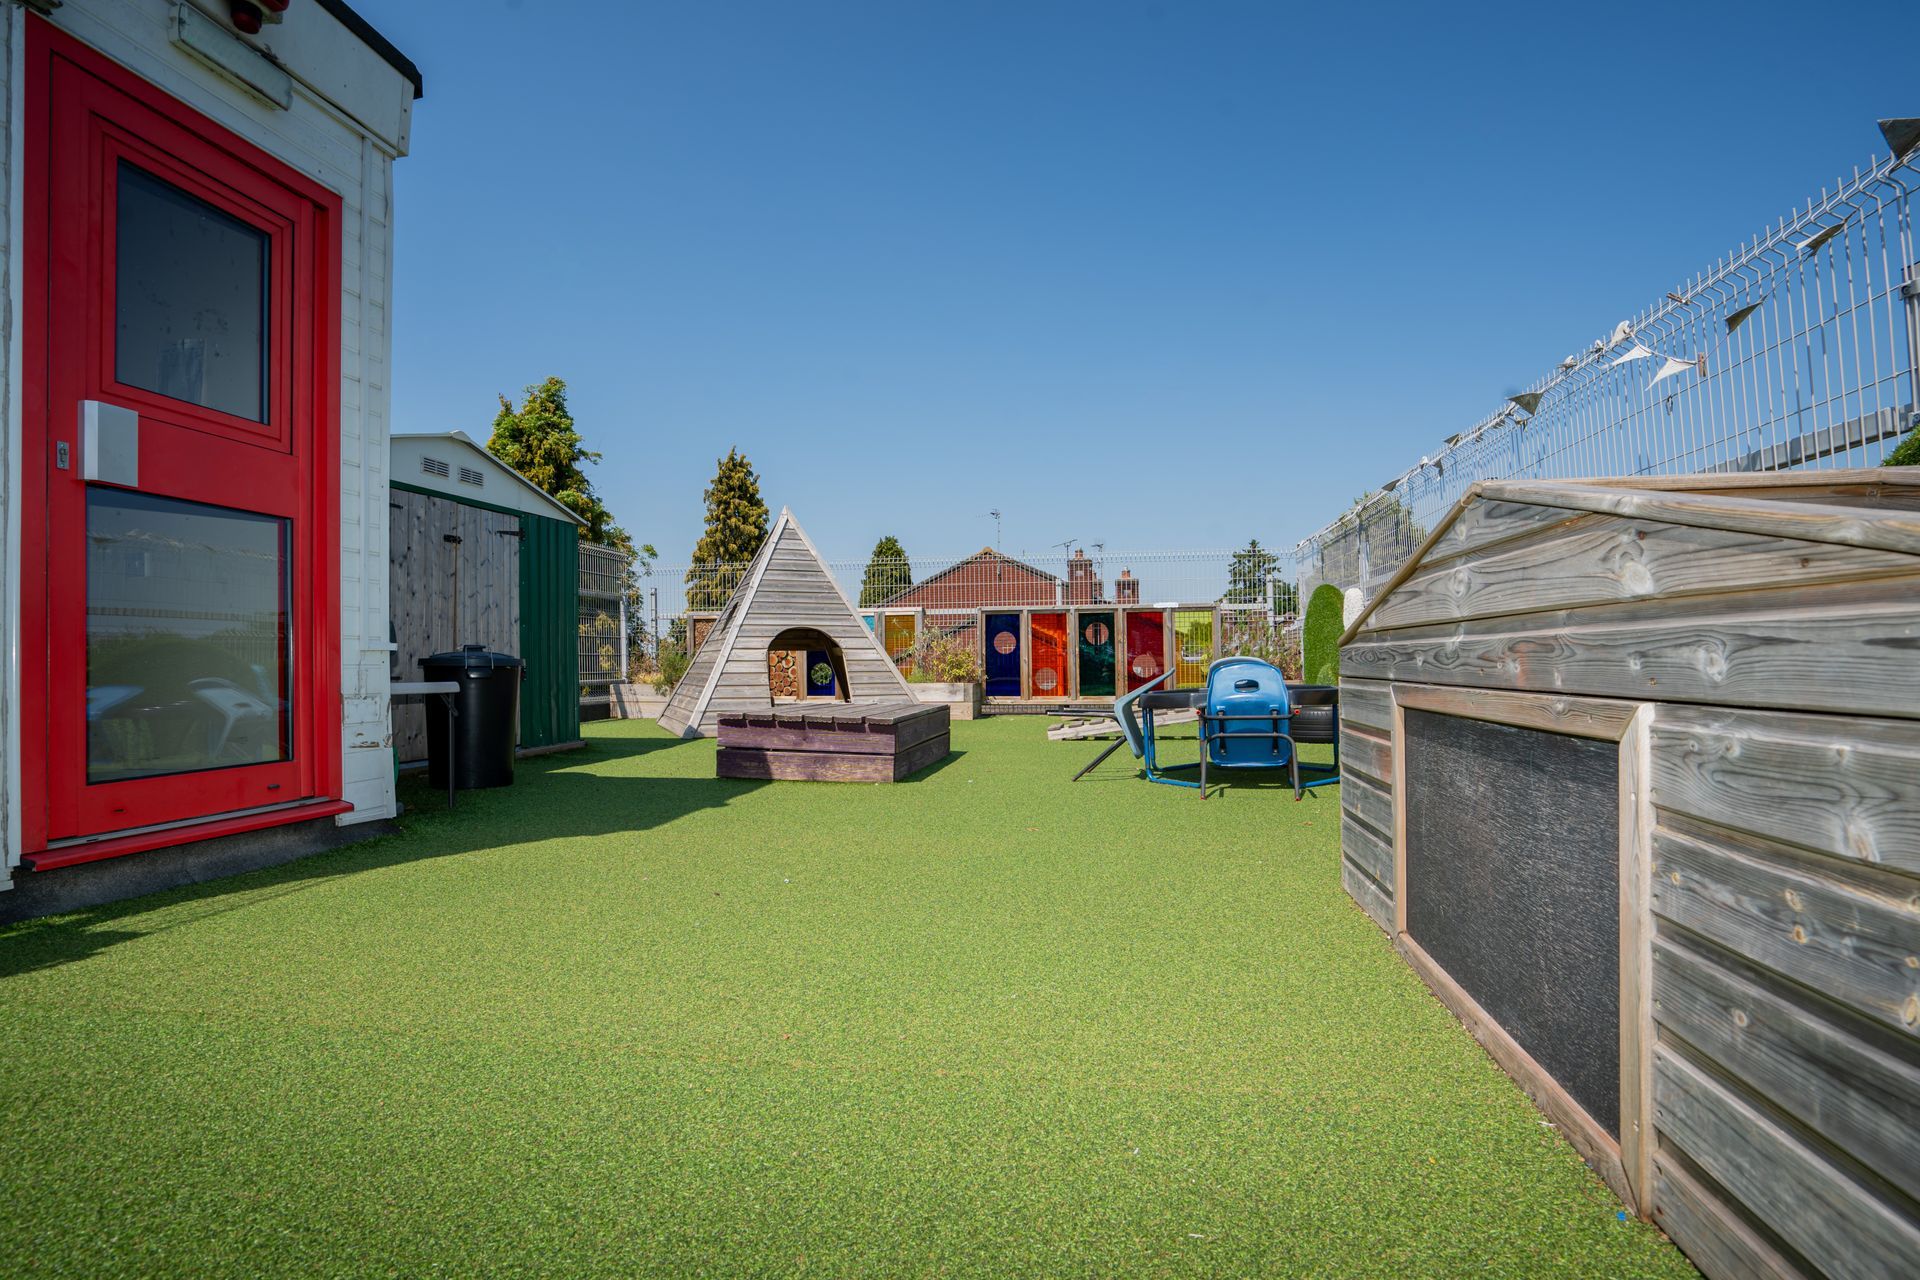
{"type": "Point", "coordinates": [625, 1018]}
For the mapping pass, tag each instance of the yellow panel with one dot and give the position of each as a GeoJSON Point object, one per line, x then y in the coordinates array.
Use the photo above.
{"type": "Point", "coordinates": [1193, 646]}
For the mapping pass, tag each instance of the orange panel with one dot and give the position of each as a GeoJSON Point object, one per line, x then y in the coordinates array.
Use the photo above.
{"type": "Point", "coordinates": [1047, 658]}
{"type": "Point", "coordinates": [897, 636]}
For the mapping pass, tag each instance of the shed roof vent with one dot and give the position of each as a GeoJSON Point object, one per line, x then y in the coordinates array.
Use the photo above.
{"type": "Point", "coordinates": [469, 476]}
{"type": "Point", "coordinates": [433, 466]}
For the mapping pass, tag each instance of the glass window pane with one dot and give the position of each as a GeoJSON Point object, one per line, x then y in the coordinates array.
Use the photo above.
{"type": "Point", "coordinates": [188, 625]}
{"type": "Point", "coordinates": [190, 315]}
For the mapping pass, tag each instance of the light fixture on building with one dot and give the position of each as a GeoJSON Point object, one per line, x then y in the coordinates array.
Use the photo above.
{"type": "Point", "coordinates": [248, 16]}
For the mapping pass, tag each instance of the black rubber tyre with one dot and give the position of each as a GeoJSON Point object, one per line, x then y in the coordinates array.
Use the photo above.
{"type": "Point", "coordinates": [1315, 724]}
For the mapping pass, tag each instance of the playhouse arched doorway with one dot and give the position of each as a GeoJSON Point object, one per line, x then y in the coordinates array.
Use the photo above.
{"type": "Point", "coordinates": [805, 665]}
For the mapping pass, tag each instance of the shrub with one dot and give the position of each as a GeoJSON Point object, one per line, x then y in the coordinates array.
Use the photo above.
{"type": "Point", "coordinates": [1320, 636]}
{"type": "Point", "coordinates": [1906, 454]}
{"type": "Point", "coordinates": [944, 659]}
{"type": "Point", "coordinates": [1263, 639]}
{"type": "Point", "coordinates": [673, 664]}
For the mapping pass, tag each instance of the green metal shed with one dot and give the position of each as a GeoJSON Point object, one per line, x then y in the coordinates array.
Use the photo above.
{"type": "Point", "coordinates": [478, 555]}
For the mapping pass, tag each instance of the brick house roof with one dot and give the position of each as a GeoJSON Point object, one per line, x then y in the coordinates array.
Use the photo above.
{"type": "Point", "coordinates": [985, 578]}
{"type": "Point", "coordinates": [991, 579]}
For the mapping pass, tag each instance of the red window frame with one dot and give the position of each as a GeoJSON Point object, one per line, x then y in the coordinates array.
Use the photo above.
{"type": "Point", "coordinates": [308, 398]}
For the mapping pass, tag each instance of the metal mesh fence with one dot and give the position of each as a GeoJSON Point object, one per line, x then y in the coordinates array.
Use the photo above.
{"type": "Point", "coordinates": [1253, 587]}
{"type": "Point", "coordinates": [1799, 349]}
{"type": "Point", "coordinates": [603, 616]}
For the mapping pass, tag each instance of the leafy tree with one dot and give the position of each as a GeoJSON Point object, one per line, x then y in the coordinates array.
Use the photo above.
{"type": "Point", "coordinates": [540, 441]}
{"type": "Point", "coordinates": [737, 522]}
{"type": "Point", "coordinates": [1320, 635]}
{"type": "Point", "coordinates": [1254, 576]}
{"type": "Point", "coordinates": [888, 572]}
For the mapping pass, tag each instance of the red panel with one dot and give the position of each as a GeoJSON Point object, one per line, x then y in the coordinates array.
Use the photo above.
{"type": "Point", "coordinates": [84, 116]}
{"type": "Point", "coordinates": [1146, 646]}
{"type": "Point", "coordinates": [1047, 655]}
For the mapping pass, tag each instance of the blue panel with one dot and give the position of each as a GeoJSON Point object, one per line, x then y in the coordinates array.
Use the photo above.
{"type": "Point", "coordinates": [816, 659]}
{"type": "Point", "coordinates": [1003, 655]}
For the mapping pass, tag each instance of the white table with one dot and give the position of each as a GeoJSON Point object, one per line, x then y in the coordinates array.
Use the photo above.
{"type": "Point", "coordinates": [446, 689]}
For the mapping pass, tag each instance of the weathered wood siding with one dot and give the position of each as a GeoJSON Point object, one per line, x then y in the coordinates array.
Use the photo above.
{"type": "Point", "coordinates": [1781, 660]}
{"type": "Point", "coordinates": [422, 602]}
{"type": "Point", "coordinates": [795, 591]}
{"type": "Point", "coordinates": [1366, 796]}
{"type": "Point", "coordinates": [1786, 982]}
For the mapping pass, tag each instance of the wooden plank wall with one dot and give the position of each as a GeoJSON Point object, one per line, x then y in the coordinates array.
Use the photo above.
{"type": "Point", "coordinates": [1622, 608]}
{"type": "Point", "coordinates": [1784, 855]}
{"type": "Point", "coordinates": [1786, 984]}
{"type": "Point", "coordinates": [677, 715]}
{"type": "Point", "coordinates": [420, 591]}
{"type": "Point", "coordinates": [1366, 796]}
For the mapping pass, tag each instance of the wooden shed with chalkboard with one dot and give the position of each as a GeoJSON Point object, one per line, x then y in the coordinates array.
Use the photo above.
{"type": "Point", "coordinates": [1631, 776]}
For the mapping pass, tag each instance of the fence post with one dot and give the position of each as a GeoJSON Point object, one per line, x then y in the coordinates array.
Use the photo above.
{"type": "Point", "coordinates": [1911, 292]}
{"type": "Point", "coordinates": [623, 623]}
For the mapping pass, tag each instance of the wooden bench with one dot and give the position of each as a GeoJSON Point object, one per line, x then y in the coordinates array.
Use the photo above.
{"type": "Point", "coordinates": [881, 742]}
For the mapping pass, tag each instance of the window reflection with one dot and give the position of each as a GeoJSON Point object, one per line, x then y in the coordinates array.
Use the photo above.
{"type": "Point", "coordinates": [190, 308]}
{"type": "Point", "coordinates": [188, 664]}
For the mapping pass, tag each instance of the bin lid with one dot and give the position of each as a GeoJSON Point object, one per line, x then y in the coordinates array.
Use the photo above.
{"type": "Point", "coordinates": [471, 657]}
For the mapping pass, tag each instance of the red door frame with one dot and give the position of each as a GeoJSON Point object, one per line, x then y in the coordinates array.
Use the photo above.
{"type": "Point", "coordinates": [304, 433]}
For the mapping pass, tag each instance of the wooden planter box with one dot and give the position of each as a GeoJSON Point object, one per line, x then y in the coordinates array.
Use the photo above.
{"type": "Point", "coordinates": [963, 701]}
{"type": "Point", "coordinates": [636, 702]}
{"type": "Point", "coordinates": [879, 743]}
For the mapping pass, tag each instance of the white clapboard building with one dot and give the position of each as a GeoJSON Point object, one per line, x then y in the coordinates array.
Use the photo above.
{"type": "Point", "coordinates": [193, 460]}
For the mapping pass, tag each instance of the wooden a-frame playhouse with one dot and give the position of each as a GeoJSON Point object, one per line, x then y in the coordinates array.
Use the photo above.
{"type": "Point", "coordinates": [788, 601]}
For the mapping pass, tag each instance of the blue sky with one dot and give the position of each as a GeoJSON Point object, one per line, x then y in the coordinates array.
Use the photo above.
{"type": "Point", "coordinates": [1163, 276]}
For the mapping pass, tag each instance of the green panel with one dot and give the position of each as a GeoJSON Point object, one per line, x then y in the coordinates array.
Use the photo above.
{"type": "Point", "coordinates": [549, 631]}
{"type": "Point", "coordinates": [1096, 655]}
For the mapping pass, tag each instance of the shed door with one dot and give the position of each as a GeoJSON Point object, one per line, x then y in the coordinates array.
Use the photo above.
{"type": "Point", "coordinates": [428, 615]}
{"type": "Point", "coordinates": [184, 459]}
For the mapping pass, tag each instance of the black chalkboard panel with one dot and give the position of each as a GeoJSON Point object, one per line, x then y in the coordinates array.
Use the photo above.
{"type": "Point", "coordinates": [1513, 887]}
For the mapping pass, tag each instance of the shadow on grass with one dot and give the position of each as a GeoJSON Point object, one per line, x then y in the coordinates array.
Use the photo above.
{"type": "Point", "coordinates": [553, 797]}
{"type": "Point", "coordinates": [945, 762]}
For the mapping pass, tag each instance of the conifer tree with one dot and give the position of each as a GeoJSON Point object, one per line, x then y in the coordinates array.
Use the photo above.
{"type": "Point", "coordinates": [1254, 577]}
{"type": "Point", "coordinates": [736, 526]}
{"type": "Point", "coordinates": [888, 572]}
